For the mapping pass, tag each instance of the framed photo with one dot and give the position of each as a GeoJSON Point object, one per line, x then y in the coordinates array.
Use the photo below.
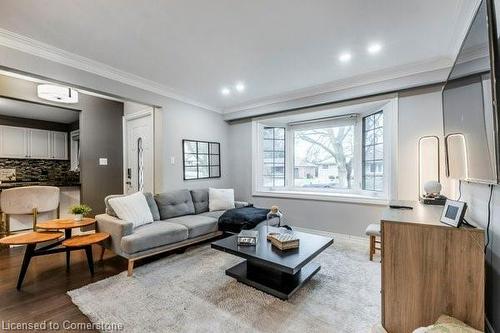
{"type": "Point", "coordinates": [453, 213]}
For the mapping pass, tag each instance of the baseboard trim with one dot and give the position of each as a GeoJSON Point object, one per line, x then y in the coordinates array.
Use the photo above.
{"type": "Point", "coordinates": [334, 235]}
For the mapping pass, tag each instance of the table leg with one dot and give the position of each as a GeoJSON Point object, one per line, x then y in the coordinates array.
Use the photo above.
{"type": "Point", "coordinates": [67, 235]}
{"type": "Point", "coordinates": [28, 254]}
{"type": "Point", "coordinates": [90, 259]}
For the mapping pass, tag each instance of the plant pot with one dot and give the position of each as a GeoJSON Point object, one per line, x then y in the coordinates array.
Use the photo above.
{"type": "Point", "coordinates": [78, 217]}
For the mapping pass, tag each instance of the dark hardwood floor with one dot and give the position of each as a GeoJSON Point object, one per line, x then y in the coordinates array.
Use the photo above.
{"type": "Point", "coordinates": [43, 295]}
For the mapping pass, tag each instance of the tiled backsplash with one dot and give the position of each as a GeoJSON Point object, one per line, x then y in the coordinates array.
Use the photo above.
{"type": "Point", "coordinates": [40, 170]}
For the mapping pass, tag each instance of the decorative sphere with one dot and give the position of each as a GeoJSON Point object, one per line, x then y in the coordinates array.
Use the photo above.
{"type": "Point", "coordinates": [432, 187]}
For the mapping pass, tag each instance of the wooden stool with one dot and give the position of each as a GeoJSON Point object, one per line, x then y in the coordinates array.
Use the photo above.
{"type": "Point", "coordinates": [85, 242]}
{"type": "Point", "coordinates": [373, 230]}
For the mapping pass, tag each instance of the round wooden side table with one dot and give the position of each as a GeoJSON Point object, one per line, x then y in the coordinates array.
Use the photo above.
{"type": "Point", "coordinates": [85, 242]}
{"type": "Point", "coordinates": [67, 225]}
{"type": "Point", "coordinates": [31, 240]}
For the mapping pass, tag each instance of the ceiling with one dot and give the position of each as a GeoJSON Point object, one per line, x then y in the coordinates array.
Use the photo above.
{"type": "Point", "coordinates": [191, 49]}
{"type": "Point", "coordinates": [28, 110]}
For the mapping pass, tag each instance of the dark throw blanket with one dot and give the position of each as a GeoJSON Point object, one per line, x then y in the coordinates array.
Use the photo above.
{"type": "Point", "coordinates": [244, 218]}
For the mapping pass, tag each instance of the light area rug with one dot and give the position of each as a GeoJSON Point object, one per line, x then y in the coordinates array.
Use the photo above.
{"type": "Point", "coordinates": [191, 293]}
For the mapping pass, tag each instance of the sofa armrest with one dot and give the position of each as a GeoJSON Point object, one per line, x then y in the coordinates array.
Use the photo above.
{"type": "Point", "coordinates": [240, 204]}
{"type": "Point", "coordinates": [116, 228]}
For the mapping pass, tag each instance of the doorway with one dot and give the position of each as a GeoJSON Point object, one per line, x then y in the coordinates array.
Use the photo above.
{"type": "Point", "coordinates": [138, 151]}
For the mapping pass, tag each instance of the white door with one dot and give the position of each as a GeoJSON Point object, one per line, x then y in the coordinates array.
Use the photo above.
{"type": "Point", "coordinates": [60, 145]}
{"type": "Point", "coordinates": [14, 142]}
{"type": "Point", "coordinates": [39, 141]}
{"type": "Point", "coordinates": [139, 152]}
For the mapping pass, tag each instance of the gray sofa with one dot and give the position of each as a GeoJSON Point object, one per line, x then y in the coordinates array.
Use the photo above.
{"type": "Point", "coordinates": [181, 218]}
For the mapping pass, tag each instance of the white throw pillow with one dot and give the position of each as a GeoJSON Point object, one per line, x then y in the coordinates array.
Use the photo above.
{"type": "Point", "coordinates": [132, 208]}
{"type": "Point", "coordinates": [220, 198]}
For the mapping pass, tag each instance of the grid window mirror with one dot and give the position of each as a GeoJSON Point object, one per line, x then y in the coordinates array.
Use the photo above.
{"type": "Point", "coordinates": [201, 159]}
{"type": "Point", "coordinates": [373, 152]}
{"type": "Point", "coordinates": [274, 157]}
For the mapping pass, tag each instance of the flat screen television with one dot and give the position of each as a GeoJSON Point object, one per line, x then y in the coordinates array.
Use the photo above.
{"type": "Point", "coordinates": [470, 115]}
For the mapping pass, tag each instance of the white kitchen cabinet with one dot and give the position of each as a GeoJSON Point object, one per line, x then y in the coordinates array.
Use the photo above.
{"type": "Point", "coordinates": [39, 144]}
{"type": "Point", "coordinates": [20, 142]}
{"type": "Point", "coordinates": [13, 142]}
{"type": "Point", "coordinates": [60, 145]}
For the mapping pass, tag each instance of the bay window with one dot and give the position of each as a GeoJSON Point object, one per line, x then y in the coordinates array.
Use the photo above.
{"type": "Point", "coordinates": [339, 155]}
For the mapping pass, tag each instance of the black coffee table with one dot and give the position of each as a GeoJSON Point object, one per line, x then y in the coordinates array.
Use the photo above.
{"type": "Point", "coordinates": [279, 273]}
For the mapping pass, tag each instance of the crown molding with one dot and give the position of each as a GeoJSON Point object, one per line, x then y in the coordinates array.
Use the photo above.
{"type": "Point", "coordinates": [387, 74]}
{"type": "Point", "coordinates": [39, 49]}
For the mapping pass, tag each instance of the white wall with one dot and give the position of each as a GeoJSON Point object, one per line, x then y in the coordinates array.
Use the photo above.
{"type": "Point", "coordinates": [419, 115]}
{"type": "Point", "coordinates": [175, 121]}
{"type": "Point", "coordinates": [181, 121]}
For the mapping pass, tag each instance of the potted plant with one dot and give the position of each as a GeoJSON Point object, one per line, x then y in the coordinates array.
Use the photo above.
{"type": "Point", "coordinates": [80, 211]}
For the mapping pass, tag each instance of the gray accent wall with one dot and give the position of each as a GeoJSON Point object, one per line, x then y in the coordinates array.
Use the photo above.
{"type": "Point", "coordinates": [100, 137]}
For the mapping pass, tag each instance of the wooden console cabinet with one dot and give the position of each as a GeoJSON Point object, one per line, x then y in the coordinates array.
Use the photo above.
{"type": "Point", "coordinates": [429, 269]}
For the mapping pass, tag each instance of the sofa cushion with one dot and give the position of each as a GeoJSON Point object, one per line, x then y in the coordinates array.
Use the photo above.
{"type": "Point", "coordinates": [132, 208]}
{"type": "Point", "coordinates": [174, 203]}
{"type": "Point", "coordinates": [153, 235]}
{"type": "Point", "coordinates": [149, 198]}
{"type": "Point", "coordinates": [197, 225]}
{"type": "Point", "coordinates": [215, 214]}
{"type": "Point", "coordinates": [200, 200]}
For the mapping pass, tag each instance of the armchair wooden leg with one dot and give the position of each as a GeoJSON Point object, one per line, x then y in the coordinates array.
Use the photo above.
{"type": "Point", "coordinates": [130, 267]}
{"type": "Point", "coordinates": [101, 257]}
{"type": "Point", "coordinates": [372, 247]}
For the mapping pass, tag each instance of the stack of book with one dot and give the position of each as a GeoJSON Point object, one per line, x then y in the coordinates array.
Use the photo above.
{"type": "Point", "coordinates": [284, 241]}
{"type": "Point", "coordinates": [248, 237]}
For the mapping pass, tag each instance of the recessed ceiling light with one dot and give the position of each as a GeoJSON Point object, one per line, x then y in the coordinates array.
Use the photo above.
{"type": "Point", "coordinates": [345, 57]}
{"type": "Point", "coordinates": [240, 87]}
{"type": "Point", "coordinates": [374, 48]}
{"type": "Point", "coordinates": [225, 91]}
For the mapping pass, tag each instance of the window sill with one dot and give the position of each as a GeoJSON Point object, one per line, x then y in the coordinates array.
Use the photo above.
{"type": "Point", "coordinates": [336, 197]}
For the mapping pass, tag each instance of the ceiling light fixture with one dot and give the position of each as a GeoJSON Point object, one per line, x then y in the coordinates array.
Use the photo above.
{"type": "Point", "coordinates": [240, 87]}
{"type": "Point", "coordinates": [225, 91]}
{"type": "Point", "coordinates": [345, 57]}
{"type": "Point", "coordinates": [374, 48]}
{"type": "Point", "coordinates": [57, 93]}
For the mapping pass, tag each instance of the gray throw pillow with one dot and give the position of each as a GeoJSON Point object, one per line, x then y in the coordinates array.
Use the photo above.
{"type": "Point", "coordinates": [200, 200]}
{"type": "Point", "coordinates": [174, 203]}
{"type": "Point", "coordinates": [152, 206]}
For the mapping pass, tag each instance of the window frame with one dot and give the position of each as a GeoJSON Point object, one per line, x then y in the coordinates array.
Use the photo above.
{"type": "Point", "coordinates": [209, 154]}
{"type": "Point", "coordinates": [364, 145]}
{"type": "Point", "coordinates": [273, 151]}
{"type": "Point", "coordinates": [355, 160]}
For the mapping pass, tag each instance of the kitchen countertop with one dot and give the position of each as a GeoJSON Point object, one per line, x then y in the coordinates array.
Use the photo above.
{"type": "Point", "coordinates": [7, 185]}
